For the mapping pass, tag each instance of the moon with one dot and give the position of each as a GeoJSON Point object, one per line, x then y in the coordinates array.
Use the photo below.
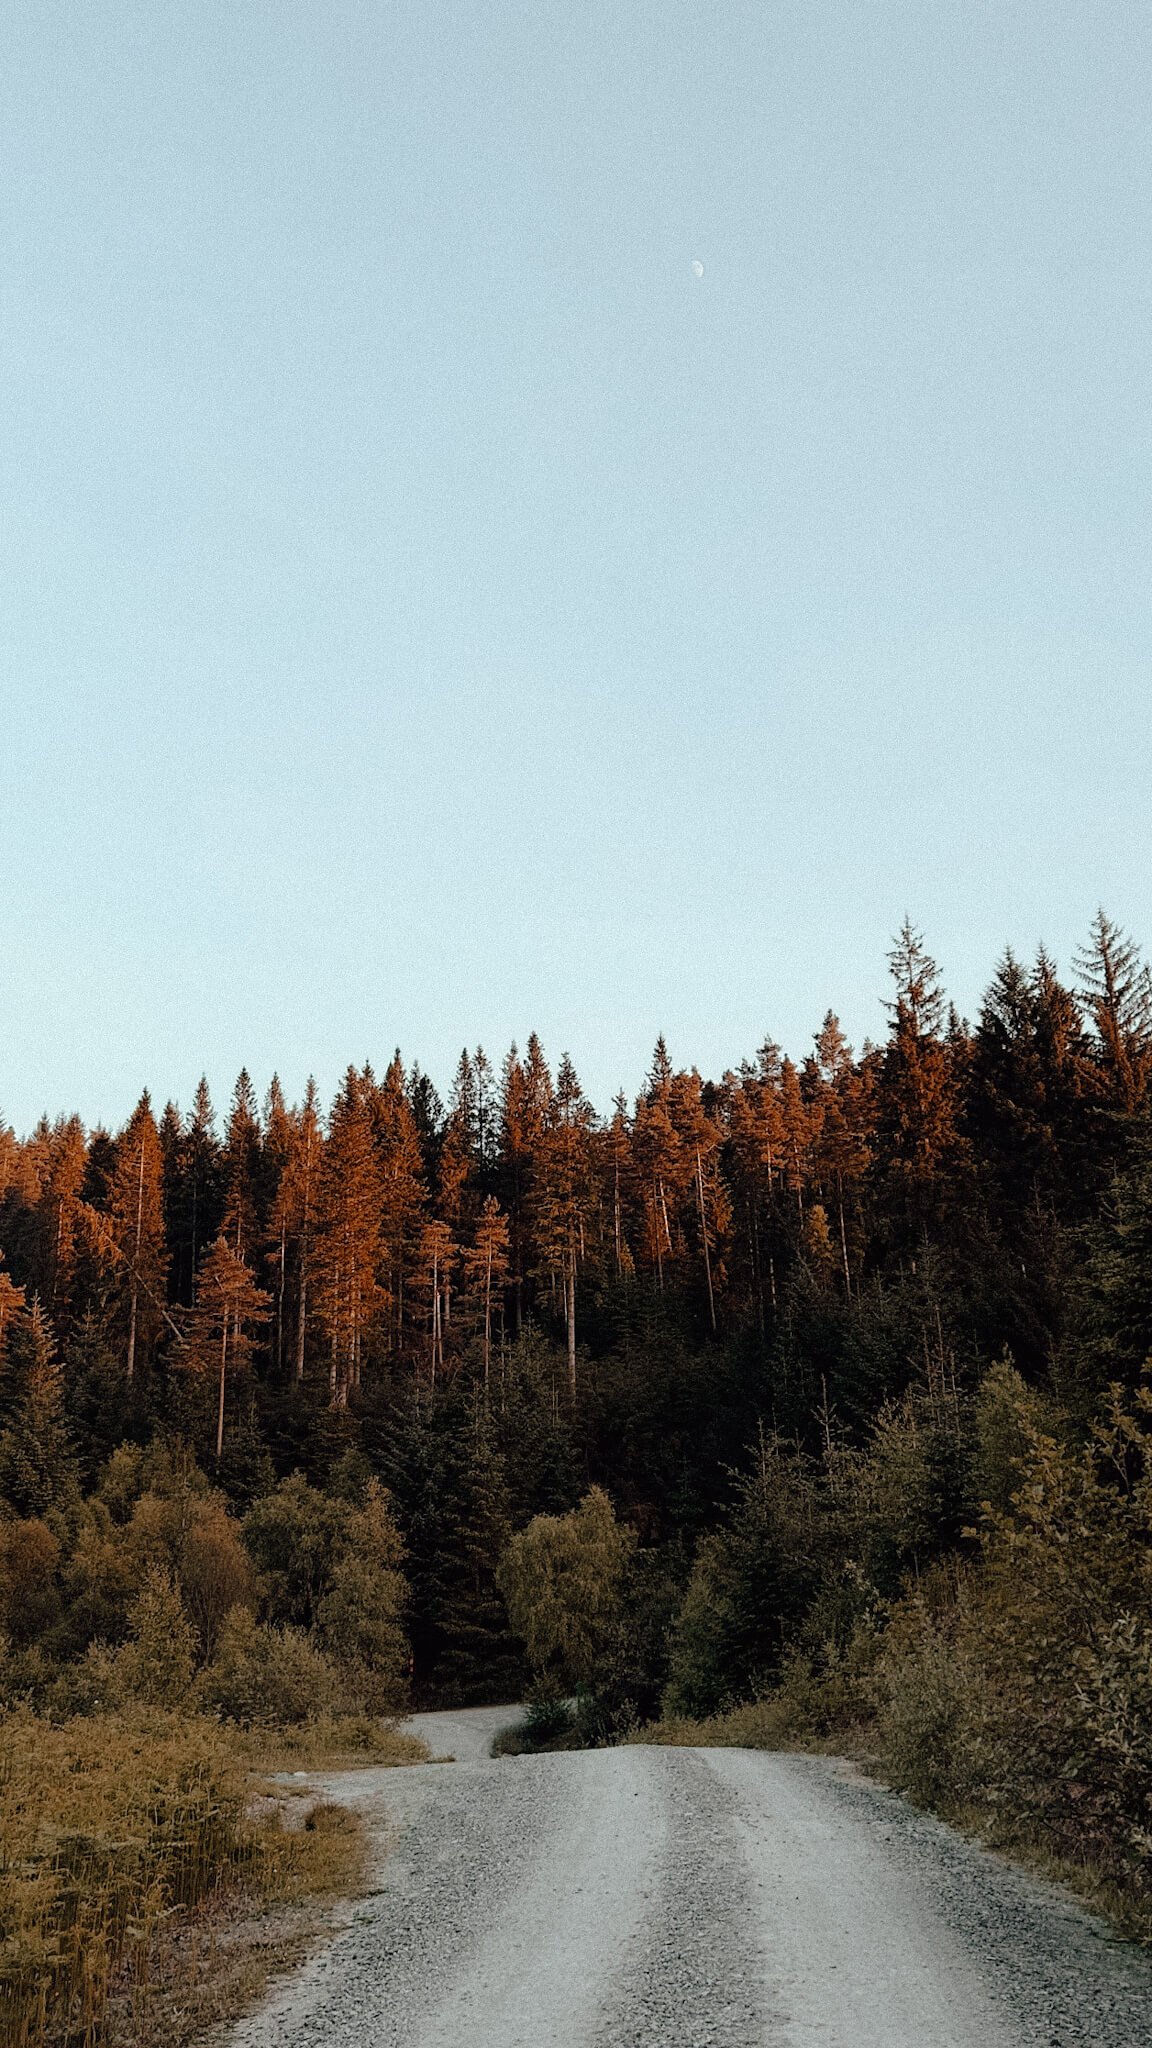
{"type": "Point", "coordinates": [698, 267]}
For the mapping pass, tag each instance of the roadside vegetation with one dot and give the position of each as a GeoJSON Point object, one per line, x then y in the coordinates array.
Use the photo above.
{"type": "Point", "coordinates": [804, 1405]}
{"type": "Point", "coordinates": [144, 1890]}
{"type": "Point", "coordinates": [147, 1884]}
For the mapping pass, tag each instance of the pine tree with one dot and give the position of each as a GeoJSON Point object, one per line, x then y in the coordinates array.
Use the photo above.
{"type": "Point", "coordinates": [403, 1189]}
{"type": "Point", "coordinates": [706, 1196]}
{"type": "Point", "coordinates": [135, 1238]}
{"type": "Point", "coordinates": [12, 1300]}
{"type": "Point", "coordinates": [918, 1138]}
{"type": "Point", "coordinates": [348, 1243]}
{"type": "Point", "coordinates": [563, 1194]}
{"type": "Point", "coordinates": [438, 1255]}
{"type": "Point", "coordinates": [275, 1152]}
{"type": "Point", "coordinates": [1117, 987]}
{"type": "Point", "coordinates": [58, 1156]}
{"type": "Point", "coordinates": [486, 1264]}
{"type": "Point", "coordinates": [230, 1307]}
{"type": "Point", "coordinates": [842, 1144]}
{"type": "Point", "coordinates": [193, 1193]}
{"type": "Point", "coordinates": [37, 1464]}
{"type": "Point", "coordinates": [241, 1169]}
{"type": "Point", "coordinates": [525, 1104]}
{"type": "Point", "coordinates": [661, 1166]}
{"type": "Point", "coordinates": [477, 1656]}
{"type": "Point", "coordinates": [294, 1221]}
{"type": "Point", "coordinates": [459, 1158]}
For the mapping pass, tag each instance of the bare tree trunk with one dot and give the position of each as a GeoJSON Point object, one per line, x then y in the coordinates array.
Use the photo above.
{"type": "Point", "coordinates": [704, 1239]}
{"type": "Point", "coordinates": [301, 1315]}
{"type": "Point", "coordinates": [223, 1377]}
{"type": "Point", "coordinates": [280, 1301]}
{"type": "Point", "coordinates": [754, 1234]}
{"type": "Point", "coordinates": [570, 1305]}
{"type": "Point", "coordinates": [131, 1368]}
{"type": "Point", "coordinates": [487, 1322]}
{"type": "Point", "coordinates": [659, 1243]}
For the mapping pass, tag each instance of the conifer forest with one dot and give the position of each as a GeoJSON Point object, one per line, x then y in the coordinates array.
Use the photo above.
{"type": "Point", "coordinates": [823, 1379]}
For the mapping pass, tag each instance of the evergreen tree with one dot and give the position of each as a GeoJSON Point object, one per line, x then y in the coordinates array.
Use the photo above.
{"type": "Point", "coordinates": [1117, 986]}
{"type": "Point", "coordinates": [241, 1170]}
{"type": "Point", "coordinates": [230, 1307]}
{"type": "Point", "coordinates": [37, 1463]}
{"type": "Point", "coordinates": [403, 1188]}
{"type": "Point", "coordinates": [918, 1140]}
{"type": "Point", "coordinates": [348, 1242]}
{"type": "Point", "coordinates": [135, 1239]}
{"type": "Point", "coordinates": [486, 1264]}
{"type": "Point", "coordinates": [294, 1226]}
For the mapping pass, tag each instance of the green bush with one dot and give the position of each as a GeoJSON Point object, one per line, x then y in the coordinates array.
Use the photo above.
{"type": "Point", "coordinates": [563, 1578]}
{"type": "Point", "coordinates": [265, 1677]}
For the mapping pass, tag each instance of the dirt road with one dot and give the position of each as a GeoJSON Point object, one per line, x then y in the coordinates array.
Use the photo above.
{"type": "Point", "coordinates": [661, 1898]}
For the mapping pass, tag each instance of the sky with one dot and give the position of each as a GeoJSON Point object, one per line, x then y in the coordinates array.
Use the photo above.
{"type": "Point", "coordinates": [432, 610]}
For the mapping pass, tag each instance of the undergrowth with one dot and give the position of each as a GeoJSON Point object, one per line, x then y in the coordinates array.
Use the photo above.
{"type": "Point", "coordinates": [328, 1743]}
{"type": "Point", "coordinates": [143, 1889]}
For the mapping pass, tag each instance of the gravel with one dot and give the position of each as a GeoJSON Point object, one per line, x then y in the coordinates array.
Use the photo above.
{"type": "Point", "coordinates": [689, 1898]}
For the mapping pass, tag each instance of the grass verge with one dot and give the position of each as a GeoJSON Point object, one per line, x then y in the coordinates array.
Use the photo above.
{"type": "Point", "coordinates": [145, 1893]}
{"type": "Point", "coordinates": [346, 1744]}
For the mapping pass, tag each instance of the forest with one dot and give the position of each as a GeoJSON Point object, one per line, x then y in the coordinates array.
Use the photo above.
{"type": "Point", "coordinates": [804, 1403]}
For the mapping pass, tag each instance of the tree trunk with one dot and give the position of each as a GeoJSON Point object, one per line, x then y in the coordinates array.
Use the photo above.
{"type": "Point", "coordinates": [301, 1317]}
{"type": "Point", "coordinates": [570, 1304]}
{"type": "Point", "coordinates": [131, 1372]}
{"type": "Point", "coordinates": [280, 1303]}
{"type": "Point", "coordinates": [704, 1239]}
{"type": "Point", "coordinates": [223, 1377]}
{"type": "Point", "coordinates": [487, 1323]}
{"type": "Point", "coordinates": [131, 1369]}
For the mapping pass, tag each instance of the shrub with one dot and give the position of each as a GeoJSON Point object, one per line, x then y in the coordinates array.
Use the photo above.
{"type": "Point", "coordinates": [295, 1536]}
{"type": "Point", "coordinates": [157, 1664]}
{"type": "Point", "coordinates": [359, 1619]}
{"type": "Point", "coordinates": [563, 1579]}
{"type": "Point", "coordinates": [29, 1555]}
{"type": "Point", "coordinates": [270, 1677]}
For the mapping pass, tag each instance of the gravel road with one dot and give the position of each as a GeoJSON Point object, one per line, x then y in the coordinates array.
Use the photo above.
{"type": "Point", "coordinates": [688, 1898]}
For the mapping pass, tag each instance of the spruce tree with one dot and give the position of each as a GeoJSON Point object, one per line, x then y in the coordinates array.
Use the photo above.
{"type": "Point", "coordinates": [136, 1245]}
{"type": "Point", "coordinates": [37, 1461]}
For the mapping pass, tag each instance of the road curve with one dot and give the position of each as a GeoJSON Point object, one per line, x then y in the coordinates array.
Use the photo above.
{"type": "Point", "coordinates": [689, 1898]}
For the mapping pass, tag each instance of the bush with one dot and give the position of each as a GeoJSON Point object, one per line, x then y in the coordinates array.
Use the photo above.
{"type": "Point", "coordinates": [563, 1578]}
{"type": "Point", "coordinates": [270, 1677]}
{"type": "Point", "coordinates": [156, 1666]}
{"type": "Point", "coordinates": [29, 1600]}
{"type": "Point", "coordinates": [295, 1537]}
{"type": "Point", "coordinates": [359, 1619]}
{"type": "Point", "coordinates": [548, 1725]}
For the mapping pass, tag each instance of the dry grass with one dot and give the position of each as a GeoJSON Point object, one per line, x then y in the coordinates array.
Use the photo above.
{"type": "Point", "coordinates": [351, 1743]}
{"type": "Point", "coordinates": [782, 1720]}
{"type": "Point", "coordinates": [216, 1962]}
{"type": "Point", "coordinates": [143, 1894]}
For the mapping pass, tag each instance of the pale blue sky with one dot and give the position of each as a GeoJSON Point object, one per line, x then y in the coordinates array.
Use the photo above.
{"type": "Point", "coordinates": [430, 611]}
